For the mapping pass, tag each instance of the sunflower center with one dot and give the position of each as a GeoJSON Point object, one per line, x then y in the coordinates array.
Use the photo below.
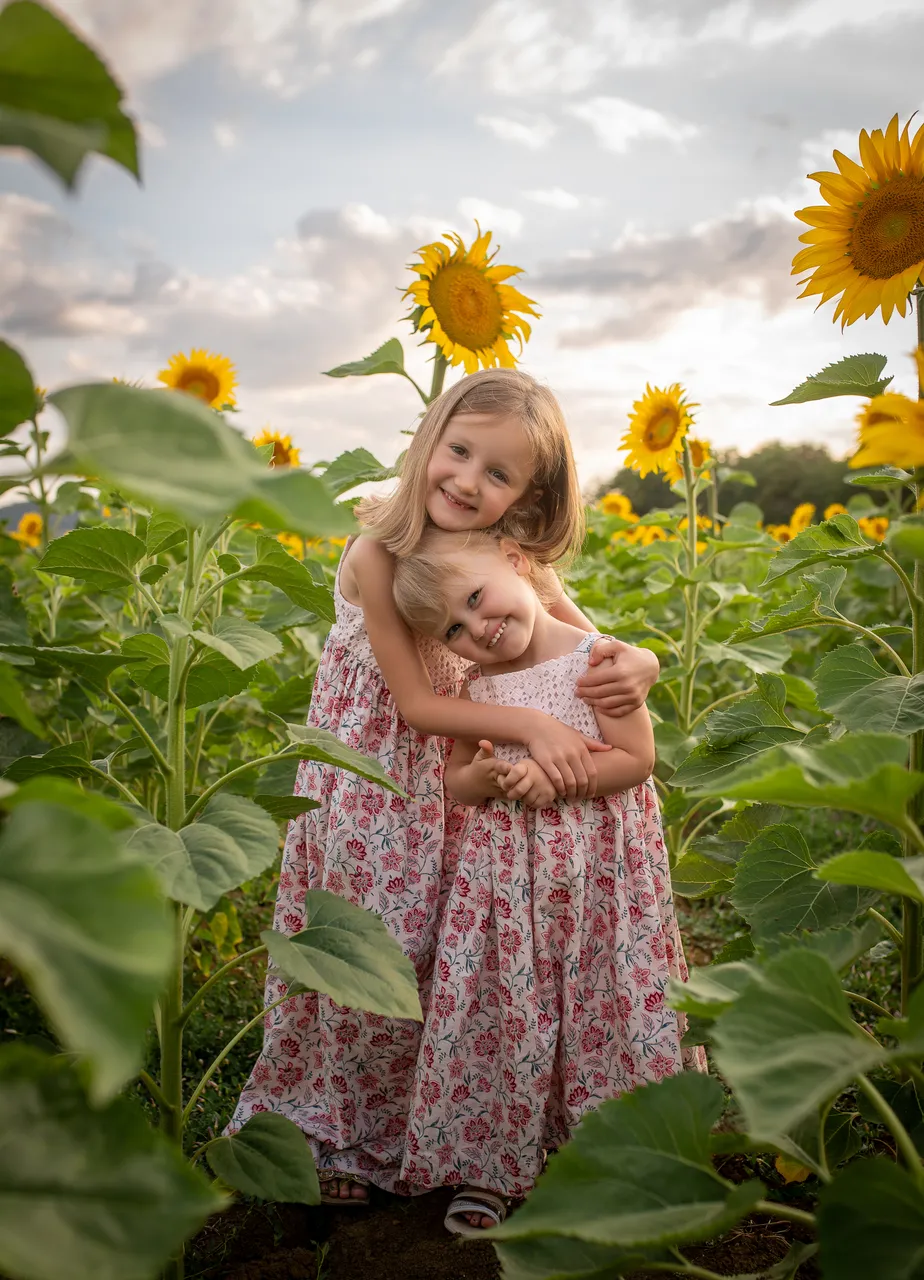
{"type": "Point", "coordinates": [199, 382]}
{"type": "Point", "coordinates": [660, 431]}
{"type": "Point", "coordinates": [467, 305]}
{"type": "Point", "coordinates": [888, 235]}
{"type": "Point", "coordinates": [280, 454]}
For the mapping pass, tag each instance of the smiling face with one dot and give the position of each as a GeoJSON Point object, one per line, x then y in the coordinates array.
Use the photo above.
{"type": "Point", "coordinates": [482, 465]}
{"type": "Point", "coordinates": [491, 606]}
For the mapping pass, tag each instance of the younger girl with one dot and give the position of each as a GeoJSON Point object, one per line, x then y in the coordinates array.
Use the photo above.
{"type": "Point", "coordinates": [558, 933]}
{"type": "Point", "coordinates": [492, 451]}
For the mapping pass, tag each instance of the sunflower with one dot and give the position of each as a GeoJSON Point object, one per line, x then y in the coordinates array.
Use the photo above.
{"type": "Point", "coordinates": [285, 453]}
{"type": "Point", "coordinates": [875, 527]}
{"type": "Point", "coordinates": [781, 532]}
{"type": "Point", "coordinates": [292, 543]}
{"type": "Point", "coordinates": [802, 517]}
{"type": "Point", "coordinates": [699, 455]}
{"type": "Point", "coordinates": [29, 530]}
{"type": "Point", "coordinates": [891, 430]}
{"type": "Point", "coordinates": [657, 427]}
{"type": "Point", "coordinates": [867, 242]}
{"type": "Point", "coordinates": [834, 509]}
{"type": "Point", "coordinates": [615, 503]}
{"type": "Point", "coordinates": [210, 377]}
{"type": "Point", "coordinates": [466, 309]}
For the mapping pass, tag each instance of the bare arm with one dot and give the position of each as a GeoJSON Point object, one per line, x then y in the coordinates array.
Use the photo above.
{"type": "Point", "coordinates": [618, 687]}
{"type": "Point", "coordinates": [633, 756]}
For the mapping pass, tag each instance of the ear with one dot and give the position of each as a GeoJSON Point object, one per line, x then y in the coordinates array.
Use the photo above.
{"type": "Point", "coordinates": [516, 557]}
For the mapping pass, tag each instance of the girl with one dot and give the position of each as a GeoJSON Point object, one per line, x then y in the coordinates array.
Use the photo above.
{"type": "Point", "coordinates": [558, 933]}
{"type": "Point", "coordinates": [491, 452]}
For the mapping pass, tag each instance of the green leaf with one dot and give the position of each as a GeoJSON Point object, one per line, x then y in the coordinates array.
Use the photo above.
{"type": "Point", "coordinates": [284, 808]}
{"type": "Point", "coordinates": [103, 558]}
{"type": "Point", "coordinates": [13, 701]}
{"type": "Point", "coordinates": [173, 452]}
{"type": "Point", "coordinates": [852, 376]}
{"type": "Point", "coordinates": [15, 742]}
{"type": "Point", "coordinates": [905, 536]}
{"type": "Point", "coordinates": [837, 539]}
{"type": "Point", "coordinates": [880, 478]}
{"type": "Point", "coordinates": [268, 1158]}
{"type": "Point", "coordinates": [347, 953]}
{"type": "Point", "coordinates": [231, 842]}
{"type": "Point", "coordinates": [358, 466]}
{"type": "Point", "coordinates": [84, 921]}
{"type": "Point", "coordinates": [388, 358]}
{"type": "Point", "coordinates": [14, 624]}
{"type": "Point", "coordinates": [646, 1155]}
{"type": "Point", "coordinates": [743, 732]}
{"type": "Point", "coordinates": [861, 772]}
{"type": "Point", "coordinates": [57, 790]}
{"type": "Point", "coordinates": [90, 1193]}
{"type": "Point", "coordinates": [163, 534]}
{"type": "Point", "coordinates": [318, 744]}
{"type": "Point", "coordinates": [50, 660]}
{"type": "Point", "coordinates": [877, 871]}
{"type": "Point", "coordinates": [291, 696]}
{"type": "Point", "coordinates": [788, 1043]}
{"type": "Point", "coordinates": [560, 1258]}
{"type": "Point", "coordinates": [17, 388]}
{"type": "Point", "coordinates": [57, 97]}
{"type": "Point", "coordinates": [710, 991]}
{"type": "Point", "coordinates": [776, 890]}
{"type": "Point", "coordinates": [871, 1223]}
{"type": "Point", "coordinates": [276, 566]}
{"type": "Point", "coordinates": [811, 606]}
{"type": "Point", "coordinates": [69, 760]}
{"type": "Point", "coordinates": [763, 654]}
{"type": "Point", "coordinates": [153, 573]}
{"type": "Point", "coordinates": [241, 642]}
{"type": "Point", "coordinates": [852, 686]}
{"type": "Point", "coordinates": [211, 678]}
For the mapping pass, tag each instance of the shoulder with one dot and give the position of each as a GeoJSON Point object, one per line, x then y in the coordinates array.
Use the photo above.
{"type": "Point", "coordinates": [367, 553]}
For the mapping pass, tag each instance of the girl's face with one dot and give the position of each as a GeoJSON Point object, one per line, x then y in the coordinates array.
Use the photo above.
{"type": "Point", "coordinates": [481, 466]}
{"type": "Point", "coordinates": [492, 606]}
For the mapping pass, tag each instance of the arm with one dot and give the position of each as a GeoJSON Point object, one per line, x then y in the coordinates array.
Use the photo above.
{"type": "Point", "coordinates": [616, 691]}
{"type": "Point", "coordinates": [564, 754]}
{"type": "Point", "coordinates": [473, 774]}
{"type": "Point", "coordinates": [633, 756]}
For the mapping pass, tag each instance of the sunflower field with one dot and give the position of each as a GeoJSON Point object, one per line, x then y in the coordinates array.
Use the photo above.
{"type": "Point", "coordinates": [163, 603]}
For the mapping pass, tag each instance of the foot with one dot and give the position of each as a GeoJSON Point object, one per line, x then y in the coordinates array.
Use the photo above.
{"type": "Point", "coordinates": [473, 1209]}
{"type": "Point", "coordinates": [343, 1188]}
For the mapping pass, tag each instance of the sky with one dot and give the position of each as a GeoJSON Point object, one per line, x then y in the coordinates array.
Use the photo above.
{"type": "Point", "coordinates": [639, 159]}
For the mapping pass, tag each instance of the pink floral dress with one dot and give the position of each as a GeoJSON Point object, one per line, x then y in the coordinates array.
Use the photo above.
{"type": "Point", "coordinates": [344, 1076]}
{"type": "Point", "coordinates": [558, 939]}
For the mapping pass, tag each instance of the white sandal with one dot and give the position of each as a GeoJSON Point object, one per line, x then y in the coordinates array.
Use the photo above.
{"type": "Point", "coordinates": [474, 1200]}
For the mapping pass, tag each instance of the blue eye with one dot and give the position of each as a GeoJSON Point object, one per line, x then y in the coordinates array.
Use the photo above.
{"type": "Point", "coordinates": [458, 449]}
{"type": "Point", "coordinates": [499, 475]}
{"type": "Point", "coordinates": [473, 598]}
{"type": "Point", "coordinates": [453, 631]}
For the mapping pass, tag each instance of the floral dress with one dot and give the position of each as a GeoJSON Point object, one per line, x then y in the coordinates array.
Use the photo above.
{"type": "Point", "coordinates": [344, 1076]}
{"type": "Point", "coordinates": [558, 940]}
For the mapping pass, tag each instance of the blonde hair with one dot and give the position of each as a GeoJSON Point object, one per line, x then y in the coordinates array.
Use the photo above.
{"type": "Point", "coordinates": [550, 527]}
{"type": "Point", "coordinates": [424, 579]}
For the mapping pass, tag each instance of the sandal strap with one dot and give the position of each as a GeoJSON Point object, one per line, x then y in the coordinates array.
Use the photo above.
{"type": "Point", "coordinates": [476, 1200]}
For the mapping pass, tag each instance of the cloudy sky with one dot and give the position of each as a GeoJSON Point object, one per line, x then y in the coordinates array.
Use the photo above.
{"type": "Point", "coordinates": [640, 159]}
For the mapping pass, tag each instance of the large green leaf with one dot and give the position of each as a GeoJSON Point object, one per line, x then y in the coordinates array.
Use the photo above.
{"type": "Point", "coordinates": [871, 1223]}
{"type": "Point", "coordinates": [837, 539]}
{"type": "Point", "coordinates": [741, 733]}
{"type": "Point", "coordinates": [561, 1258]}
{"type": "Point", "coordinates": [87, 1193]}
{"type": "Point", "coordinates": [760, 653]}
{"type": "Point", "coordinates": [284, 808]}
{"type": "Point", "coordinates": [14, 623]}
{"type": "Point", "coordinates": [85, 922]}
{"type": "Point", "coordinates": [163, 533]}
{"type": "Point", "coordinates": [276, 566]}
{"type": "Point", "coordinates": [388, 358]}
{"type": "Point", "coordinates": [852, 376]}
{"type": "Point", "coordinates": [243, 643]}
{"type": "Point", "coordinates": [347, 953]}
{"type": "Point", "coordinates": [211, 678]}
{"type": "Point", "coordinates": [49, 660]}
{"type": "Point", "coordinates": [17, 389]}
{"type": "Point", "coordinates": [358, 466]}
{"type": "Point", "coordinates": [103, 558]}
{"type": "Point", "coordinates": [15, 742]}
{"type": "Point", "coordinates": [709, 865]}
{"type": "Point", "coordinates": [70, 760]}
{"type": "Point", "coordinates": [231, 842]}
{"type": "Point", "coordinates": [852, 686]}
{"type": "Point", "coordinates": [56, 96]}
{"type": "Point", "coordinates": [268, 1158]}
{"type": "Point", "coordinates": [173, 452]}
{"type": "Point", "coordinates": [905, 536]}
{"type": "Point", "coordinates": [878, 871]}
{"type": "Point", "coordinates": [59, 791]}
{"type": "Point", "coordinates": [711, 990]}
{"type": "Point", "coordinates": [646, 1155]}
{"type": "Point", "coordinates": [861, 772]}
{"type": "Point", "coordinates": [318, 744]}
{"type": "Point", "coordinates": [776, 889]}
{"type": "Point", "coordinates": [788, 1044]}
{"type": "Point", "coordinates": [811, 606]}
{"type": "Point", "coordinates": [13, 701]}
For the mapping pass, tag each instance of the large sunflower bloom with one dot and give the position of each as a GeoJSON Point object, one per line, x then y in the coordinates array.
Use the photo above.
{"type": "Point", "coordinates": [29, 530]}
{"type": "Point", "coordinates": [867, 242]}
{"type": "Point", "coordinates": [657, 426]}
{"type": "Point", "coordinates": [467, 310]}
{"type": "Point", "coordinates": [615, 503]}
{"type": "Point", "coordinates": [285, 453]}
{"type": "Point", "coordinates": [210, 377]}
{"type": "Point", "coordinates": [891, 430]}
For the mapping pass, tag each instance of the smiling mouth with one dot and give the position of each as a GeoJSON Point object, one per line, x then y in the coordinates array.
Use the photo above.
{"type": "Point", "coordinates": [498, 633]}
{"type": "Point", "coordinates": [456, 502]}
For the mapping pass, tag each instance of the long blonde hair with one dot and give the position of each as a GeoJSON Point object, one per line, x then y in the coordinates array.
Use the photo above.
{"type": "Point", "coordinates": [424, 579]}
{"type": "Point", "coordinates": [550, 527]}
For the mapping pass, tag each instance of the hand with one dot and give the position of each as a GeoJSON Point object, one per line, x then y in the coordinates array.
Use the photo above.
{"type": "Point", "coordinates": [528, 781]}
{"type": "Point", "coordinates": [565, 757]}
{"type": "Point", "coordinates": [618, 677]}
{"type": "Point", "coordinates": [492, 769]}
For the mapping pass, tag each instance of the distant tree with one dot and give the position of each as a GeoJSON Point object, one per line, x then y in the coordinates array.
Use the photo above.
{"type": "Point", "coordinates": [785, 474]}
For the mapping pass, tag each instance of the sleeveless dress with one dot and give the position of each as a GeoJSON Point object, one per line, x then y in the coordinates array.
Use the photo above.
{"type": "Point", "coordinates": [558, 939]}
{"type": "Point", "coordinates": [342, 1075]}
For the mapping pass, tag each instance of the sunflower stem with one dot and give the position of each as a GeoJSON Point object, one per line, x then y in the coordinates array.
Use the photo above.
{"type": "Point", "coordinates": [440, 364]}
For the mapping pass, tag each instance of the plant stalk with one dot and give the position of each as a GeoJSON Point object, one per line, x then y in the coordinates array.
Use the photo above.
{"type": "Point", "coordinates": [440, 365]}
{"type": "Point", "coordinates": [691, 599]}
{"type": "Point", "coordinates": [199, 995]}
{"type": "Point", "coordinates": [896, 1128]}
{"type": "Point", "coordinates": [197, 1092]}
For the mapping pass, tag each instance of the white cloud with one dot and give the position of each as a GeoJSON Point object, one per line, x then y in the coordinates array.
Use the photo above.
{"type": "Point", "coordinates": [225, 135]}
{"type": "Point", "coordinates": [535, 133]}
{"type": "Point", "coordinates": [558, 198]}
{"type": "Point", "coordinates": [817, 154]}
{"type": "Point", "coordinates": [152, 135]}
{"type": "Point", "coordinates": [618, 123]}
{"type": "Point", "coordinates": [491, 217]}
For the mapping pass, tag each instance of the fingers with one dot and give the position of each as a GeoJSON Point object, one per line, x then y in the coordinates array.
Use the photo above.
{"type": "Point", "coordinates": [594, 744]}
{"type": "Point", "coordinates": [486, 746]}
{"type": "Point", "coordinates": [615, 707]}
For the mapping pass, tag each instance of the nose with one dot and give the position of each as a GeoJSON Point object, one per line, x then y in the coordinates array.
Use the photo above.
{"type": "Point", "coordinates": [466, 481]}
